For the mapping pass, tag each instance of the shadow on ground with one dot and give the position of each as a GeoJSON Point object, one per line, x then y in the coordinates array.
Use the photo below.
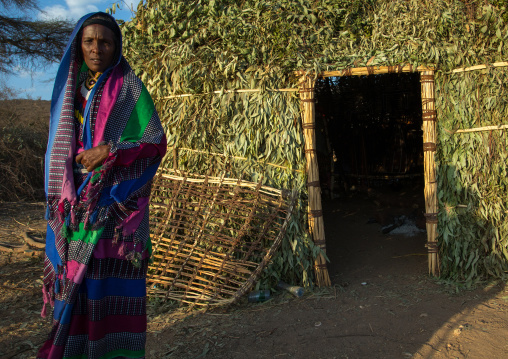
{"type": "Point", "coordinates": [382, 304]}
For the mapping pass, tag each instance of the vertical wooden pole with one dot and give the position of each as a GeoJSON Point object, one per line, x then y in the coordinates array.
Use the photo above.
{"type": "Point", "coordinates": [316, 224]}
{"type": "Point", "coordinates": [429, 150]}
{"type": "Point", "coordinates": [175, 158]}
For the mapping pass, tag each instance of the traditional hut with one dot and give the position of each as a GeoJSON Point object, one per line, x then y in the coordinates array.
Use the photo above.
{"type": "Point", "coordinates": [235, 83]}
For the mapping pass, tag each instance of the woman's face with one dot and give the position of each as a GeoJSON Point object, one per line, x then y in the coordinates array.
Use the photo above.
{"type": "Point", "coordinates": [98, 47]}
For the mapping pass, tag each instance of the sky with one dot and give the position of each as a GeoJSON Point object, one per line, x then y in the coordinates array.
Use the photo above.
{"type": "Point", "coordinates": [39, 84]}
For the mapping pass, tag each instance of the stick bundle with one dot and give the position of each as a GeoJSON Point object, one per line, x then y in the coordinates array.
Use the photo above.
{"type": "Point", "coordinates": [429, 147]}
{"type": "Point", "coordinates": [316, 224]}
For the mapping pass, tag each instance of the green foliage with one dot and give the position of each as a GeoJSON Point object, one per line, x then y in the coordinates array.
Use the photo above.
{"type": "Point", "coordinates": [201, 46]}
{"type": "Point", "coordinates": [472, 175]}
{"type": "Point", "coordinates": [197, 47]}
{"type": "Point", "coordinates": [501, 4]}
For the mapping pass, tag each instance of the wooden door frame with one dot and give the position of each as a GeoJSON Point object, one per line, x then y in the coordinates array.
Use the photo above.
{"type": "Point", "coordinates": [429, 118]}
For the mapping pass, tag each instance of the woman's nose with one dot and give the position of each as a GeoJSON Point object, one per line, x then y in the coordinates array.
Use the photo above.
{"type": "Point", "coordinates": [95, 46]}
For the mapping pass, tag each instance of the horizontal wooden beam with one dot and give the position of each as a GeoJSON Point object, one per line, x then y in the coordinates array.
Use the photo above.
{"type": "Point", "coordinates": [235, 157]}
{"type": "Point", "coordinates": [480, 67]}
{"type": "Point", "coordinates": [371, 70]}
{"type": "Point", "coordinates": [478, 129]}
{"type": "Point", "coordinates": [231, 91]}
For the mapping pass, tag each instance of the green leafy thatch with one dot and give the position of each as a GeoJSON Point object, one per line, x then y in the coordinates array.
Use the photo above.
{"type": "Point", "coordinates": [197, 47]}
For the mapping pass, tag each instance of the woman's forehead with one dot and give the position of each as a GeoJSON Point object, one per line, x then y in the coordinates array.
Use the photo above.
{"type": "Point", "coordinates": [97, 30]}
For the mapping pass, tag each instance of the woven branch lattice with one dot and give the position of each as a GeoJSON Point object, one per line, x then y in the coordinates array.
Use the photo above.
{"type": "Point", "coordinates": [212, 236]}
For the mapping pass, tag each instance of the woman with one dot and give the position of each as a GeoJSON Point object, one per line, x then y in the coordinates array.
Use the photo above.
{"type": "Point", "coordinates": [105, 145]}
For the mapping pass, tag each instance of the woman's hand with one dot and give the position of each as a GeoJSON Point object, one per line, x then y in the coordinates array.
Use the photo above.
{"type": "Point", "coordinates": [94, 157]}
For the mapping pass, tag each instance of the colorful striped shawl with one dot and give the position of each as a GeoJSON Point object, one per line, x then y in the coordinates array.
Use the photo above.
{"type": "Point", "coordinates": [119, 112]}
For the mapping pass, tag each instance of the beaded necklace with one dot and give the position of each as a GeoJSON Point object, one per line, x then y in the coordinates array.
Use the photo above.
{"type": "Point", "coordinates": [91, 80]}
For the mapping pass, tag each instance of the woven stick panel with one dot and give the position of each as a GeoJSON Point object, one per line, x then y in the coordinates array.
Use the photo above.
{"type": "Point", "coordinates": [212, 236]}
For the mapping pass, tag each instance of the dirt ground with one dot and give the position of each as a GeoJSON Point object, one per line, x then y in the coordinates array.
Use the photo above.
{"type": "Point", "coordinates": [382, 303]}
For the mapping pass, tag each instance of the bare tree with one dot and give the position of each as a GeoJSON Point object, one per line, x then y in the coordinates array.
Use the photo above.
{"type": "Point", "coordinates": [29, 43]}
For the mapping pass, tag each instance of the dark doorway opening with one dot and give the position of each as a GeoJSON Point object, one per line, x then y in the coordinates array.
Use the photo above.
{"type": "Point", "coordinates": [369, 144]}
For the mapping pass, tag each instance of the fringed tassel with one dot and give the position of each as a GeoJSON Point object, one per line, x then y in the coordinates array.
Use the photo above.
{"type": "Point", "coordinates": [86, 221]}
{"type": "Point", "coordinates": [61, 209]}
{"type": "Point", "coordinates": [66, 231]}
{"type": "Point", "coordinates": [52, 297]}
{"type": "Point", "coordinates": [73, 217]}
{"type": "Point", "coordinates": [116, 237]}
{"type": "Point", "coordinates": [121, 250]}
{"type": "Point", "coordinates": [61, 216]}
{"type": "Point", "coordinates": [94, 191]}
{"type": "Point", "coordinates": [134, 257]}
{"type": "Point", "coordinates": [46, 297]}
{"type": "Point", "coordinates": [93, 217]}
{"type": "Point", "coordinates": [94, 187]}
{"type": "Point", "coordinates": [48, 213]}
{"type": "Point", "coordinates": [57, 286]}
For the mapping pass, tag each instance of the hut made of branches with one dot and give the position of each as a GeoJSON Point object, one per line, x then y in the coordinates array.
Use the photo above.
{"type": "Point", "coordinates": [234, 81]}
